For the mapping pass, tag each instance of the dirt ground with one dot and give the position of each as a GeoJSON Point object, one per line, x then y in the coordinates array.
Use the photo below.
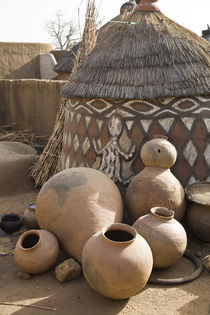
{"type": "Point", "coordinates": [77, 298]}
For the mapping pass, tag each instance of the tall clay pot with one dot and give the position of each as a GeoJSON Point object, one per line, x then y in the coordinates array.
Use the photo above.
{"type": "Point", "coordinates": [165, 236]}
{"type": "Point", "coordinates": [117, 262]}
{"type": "Point", "coordinates": [198, 210]}
{"type": "Point", "coordinates": [75, 204]}
{"type": "Point", "coordinates": [156, 185]}
{"type": "Point", "coordinates": [29, 217]}
{"type": "Point", "coordinates": [36, 251]}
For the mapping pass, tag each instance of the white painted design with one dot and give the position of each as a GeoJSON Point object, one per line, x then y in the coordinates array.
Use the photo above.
{"type": "Point", "coordinates": [64, 136]}
{"type": "Point", "coordinates": [188, 122]}
{"type": "Point", "coordinates": [76, 143]}
{"type": "Point", "coordinates": [207, 155]}
{"type": "Point", "coordinates": [207, 123]}
{"type": "Point", "coordinates": [87, 120]}
{"type": "Point", "coordinates": [71, 115]}
{"type": "Point", "coordinates": [166, 111]}
{"type": "Point", "coordinates": [86, 145]}
{"type": "Point", "coordinates": [176, 105]}
{"type": "Point", "coordinates": [99, 123]}
{"type": "Point", "coordinates": [69, 140]}
{"type": "Point", "coordinates": [200, 110]}
{"type": "Point", "coordinates": [67, 163]}
{"type": "Point", "coordinates": [166, 123]}
{"type": "Point", "coordinates": [146, 124]}
{"type": "Point", "coordinates": [190, 153]}
{"type": "Point", "coordinates": [78, 117]}
{"type": "Point", "coordinates": [151, 107]}
{"type": "Point", "coordinates": [129, 124]}
{"type": "Point", "coordinates": [192, 180]}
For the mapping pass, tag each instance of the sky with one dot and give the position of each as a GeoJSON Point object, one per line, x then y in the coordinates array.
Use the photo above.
{"type": "Point", "coordinates": [25, 20]}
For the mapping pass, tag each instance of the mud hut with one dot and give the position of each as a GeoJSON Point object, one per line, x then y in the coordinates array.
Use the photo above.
{"type": "Point", "coordinates": [147, 75]}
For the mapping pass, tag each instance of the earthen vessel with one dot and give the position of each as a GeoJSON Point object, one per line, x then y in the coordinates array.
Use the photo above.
{"type": "Point", "coordinates": [165, 236]}
{"type": "Point", "coordinates": [30, 217]}
{"type": "Point", "coordinates": [198, 210]}
{"type": "Point", "coordinates": [36, 251]}
{"type": "Point", "coordinates": [156, 185]}
{"type": "Point", "coordinates": [117, 262]}
{"type": "Point", "coordinates": [75, 204]}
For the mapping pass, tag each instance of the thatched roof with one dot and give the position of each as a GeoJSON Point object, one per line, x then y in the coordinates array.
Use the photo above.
{"type": "Point", "coordinates": [151, 57]}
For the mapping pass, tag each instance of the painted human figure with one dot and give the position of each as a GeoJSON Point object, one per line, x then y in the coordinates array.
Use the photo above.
{"type": "Point", "coordinates": [112, 152]}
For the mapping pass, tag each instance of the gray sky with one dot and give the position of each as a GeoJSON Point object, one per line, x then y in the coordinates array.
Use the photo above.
{"type": "Point", "coordinates": [25, 20]}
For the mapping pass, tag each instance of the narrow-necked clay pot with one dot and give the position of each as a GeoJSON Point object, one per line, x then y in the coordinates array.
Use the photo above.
{"type": "Point", "coordinates": [75, 204]}
{"type": "Point", "coordinates": [36, 251]}
{"type": "Point", "coordinates": [165, 236]}
{"type": "Point", "coordinates": [30, 216]}
{"type": "Point", "coordinates": [117, 262]}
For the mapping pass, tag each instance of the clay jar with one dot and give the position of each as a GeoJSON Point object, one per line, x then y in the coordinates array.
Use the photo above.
{"type": "Point", "coordinates": [165, 236]}
{"type": "Point", "coordinates": [36, 251]}
{"type": "Point", "coordinates": [30, 217]}
{"type": "Point", "coordinates": [156, 185]}
{"type": "Point", "coordinates": [75, 204]}
{"type": "Point", "coordinates": [117, 262]}
{"type": "Point", "coordinates": [198, 211]}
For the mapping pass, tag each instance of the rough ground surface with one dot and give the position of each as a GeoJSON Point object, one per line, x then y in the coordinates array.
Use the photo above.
{"type": "Point", "coordinates": [77, 298]}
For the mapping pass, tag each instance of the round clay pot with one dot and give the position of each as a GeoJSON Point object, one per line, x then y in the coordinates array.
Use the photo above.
{"type": "Point", "coordinates": [165, 236]}
{"type": "Point", "coordinates": [198, 211]}
{"type": "Point", "coordinates": [30, 216]}
{"type": "Point", "coordinates": [156, 185]}
{"type": "Point", "coordinates": [36, 251]}
{"type": "Point", "coordinates": [11, 223]}
{"type": "Point", "coordinates": [117, 262]}
{"type": "Point", "coordinates": [75, 204]}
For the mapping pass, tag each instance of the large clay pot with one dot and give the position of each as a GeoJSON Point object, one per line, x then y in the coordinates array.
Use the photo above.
{"type": "Point", "coordinates": [198, 211]}
{"type": "Point", "coordinates": [156, 185]}
{"type": "Point", "coordinates": [30, 217]}
{"type": "Point", "coordinates": [36, 251]}
{"type": "Point", "coordinates": [117, 262]}
{"type": "Point", "coordinates": [165, 236]}
{"type": "Point", "coordinates": [75, 204]}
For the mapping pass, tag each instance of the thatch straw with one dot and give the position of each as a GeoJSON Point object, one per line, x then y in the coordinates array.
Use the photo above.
{"type": "Point", "coordinates": [49, 162]}
{"type": "Point", "coordinates": [151, 57]}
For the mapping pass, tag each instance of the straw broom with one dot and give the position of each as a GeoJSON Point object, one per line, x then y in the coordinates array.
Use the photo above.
{"type": "Point", "coordinates": [49, 162]}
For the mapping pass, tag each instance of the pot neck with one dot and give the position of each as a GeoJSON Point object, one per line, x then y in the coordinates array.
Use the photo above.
{"type": "Point", "coordinates": [162, 213]}
{"type": "Point", "coordinates": [119, 234]}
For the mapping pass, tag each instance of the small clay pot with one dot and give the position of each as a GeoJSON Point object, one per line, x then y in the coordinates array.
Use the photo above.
{"type": "Point", "coordinates": [117, 262]}
{"type": "Point", "coordinates": [11, 223]}
{"type": "Point", "coordinates": [30, 216]}
{"type": "Point", "coordinates": [165, 236]}
{"type": "Point", "coordinates": [36, 251]}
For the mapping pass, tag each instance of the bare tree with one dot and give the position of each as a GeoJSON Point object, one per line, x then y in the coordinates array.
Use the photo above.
{"type": "Point", "coordinates": [62, 32]}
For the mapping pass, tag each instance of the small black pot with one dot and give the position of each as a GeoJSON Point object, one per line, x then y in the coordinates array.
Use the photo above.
{"type": "Point", "coordinates": [11, 223]}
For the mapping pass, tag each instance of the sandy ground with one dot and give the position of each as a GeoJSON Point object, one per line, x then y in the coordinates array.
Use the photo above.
{"type": "Point", "coordinates": [77, 298]}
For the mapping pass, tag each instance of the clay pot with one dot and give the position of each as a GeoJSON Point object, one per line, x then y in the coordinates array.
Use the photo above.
{"type": "Point", "coordinates": [198, 211]}
{"type": "Point", "coordinates": [30, 217]}
{"type": "Point", "coordinates": [117, 262]}
{"type": "Point", "coordinates": [11, 223]}
{"type": "Point", "coordinates": [156, 185]}
{"type": "Point", "coordinates": [165, 236]}
{"type": "Point", "coordinates": [75, 204]}
{"type": "Point", "coordinates": [36, 251]}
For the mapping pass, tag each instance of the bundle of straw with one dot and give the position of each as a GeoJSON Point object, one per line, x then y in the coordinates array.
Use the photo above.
{"type": "Point", "coordinates": [49, 163]}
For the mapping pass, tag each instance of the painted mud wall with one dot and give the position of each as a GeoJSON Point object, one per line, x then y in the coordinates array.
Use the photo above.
{"type": "Point", "coordinates": [21, 60]}
{"type": "Point", "coordinates": [32, 104]}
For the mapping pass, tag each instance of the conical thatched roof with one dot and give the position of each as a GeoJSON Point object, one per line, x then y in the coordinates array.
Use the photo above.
{"type": "Point", "coordinates": [151, 57]}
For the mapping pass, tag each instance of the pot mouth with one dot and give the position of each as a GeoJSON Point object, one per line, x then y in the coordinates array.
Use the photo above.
{"type": "Point", "coordinates": [30, 240]}
{"type": "Point", "coordinates": [160, 137]}
{"type": "Point", "coordinates": [32, 206]}
{"type": "Point", "coordinates": [163, 213]}
{"type": "Point", "coordinates": [119, 233]}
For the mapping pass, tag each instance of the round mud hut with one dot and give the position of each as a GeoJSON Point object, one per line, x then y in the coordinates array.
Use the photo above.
{"type": "Point", "coordinates": [147, 75]}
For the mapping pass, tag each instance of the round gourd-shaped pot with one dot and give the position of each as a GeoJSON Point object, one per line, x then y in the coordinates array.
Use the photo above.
{"type": "Point", "coordinates": [29, 217]}
{"type": "Point", "coordinates": [198, 211]}
{"type": "Point", "coordinates": [75, 204]}
{"type": "Point", "coordinates": [36, 251]}
{"type": "Point", "coordinates": [117, 262]}
{"type": "Point", "coordinates": [165, 236]}
{"type": "Point", "coordinates": [155, 185]}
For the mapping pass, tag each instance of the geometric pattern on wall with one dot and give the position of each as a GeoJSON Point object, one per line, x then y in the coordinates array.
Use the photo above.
{"type": "Point", "coordinates": [185, 121]}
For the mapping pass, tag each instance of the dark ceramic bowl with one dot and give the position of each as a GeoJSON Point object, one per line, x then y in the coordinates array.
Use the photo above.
{"type": "Point", "coordinates": [11, 223]}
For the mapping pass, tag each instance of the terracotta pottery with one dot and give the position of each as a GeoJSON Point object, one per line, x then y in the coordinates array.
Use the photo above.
{"type": "Point", "coordinates": [198, 211]}
{"type": "Point", "coordinates": [117, 262]}
{"type": "Point", "coordinates": [165, 236]}
{"type": "Point", "coordinates": [30, 216]}
{"type": "Point", "coordinates": [156, 185]}
{"type": "Point", "coordinates": [75, 204]}
{"type": "Point", "coordinates": [11, 223]}
{"type": "Point", "coordinates": [36, 251]}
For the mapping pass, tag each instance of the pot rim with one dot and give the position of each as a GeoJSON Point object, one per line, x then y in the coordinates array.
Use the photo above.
{"type": "Point", "coordinates": [162, 213]}
{"type": "Point", "coordinates": [25, 234]}
{"type": "Point", "coordinates": [32, 206]}
{"type": "Point", "coordinates": [122, 227]}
